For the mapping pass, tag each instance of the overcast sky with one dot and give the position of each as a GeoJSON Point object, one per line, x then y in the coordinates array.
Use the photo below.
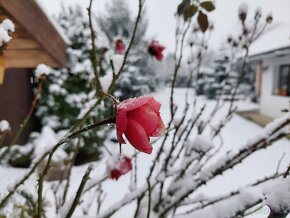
{"type": "Point", "coordinates": [162, 21]}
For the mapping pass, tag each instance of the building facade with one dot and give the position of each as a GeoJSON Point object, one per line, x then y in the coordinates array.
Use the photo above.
{"type": "Point", "coordinates": [273, 81]}
{"type": "Point", "coordinates": [36, 40]}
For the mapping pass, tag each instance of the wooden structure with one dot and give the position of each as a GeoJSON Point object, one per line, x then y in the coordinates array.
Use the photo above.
{"type": "Point", "coordinates": [35, 40]}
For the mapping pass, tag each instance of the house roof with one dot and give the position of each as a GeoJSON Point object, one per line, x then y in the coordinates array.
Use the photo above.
{"type": "Point", "coordinates": [53, 21]}
{"type": "Point", "coordinates": [281, 51]}
{"type": "Point", "coordinates": [276, 37]}
{"type": "Point", "coordinates": [36, 39]}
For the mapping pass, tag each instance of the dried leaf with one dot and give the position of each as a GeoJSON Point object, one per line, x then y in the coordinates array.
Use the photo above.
{"type": "Point", "coordinates": [189, 12]}
{"type": "Point", "coordinates": [182, 6]}
{"type": "Point", "coordinates": [207, 5]}
{"type": "Point", "coordinates": [202, 21]}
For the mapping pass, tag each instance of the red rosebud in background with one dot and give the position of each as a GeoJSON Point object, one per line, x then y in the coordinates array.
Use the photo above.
{"type": "Point", "coordinates": [155, 49]}
{"type": "Point", "coordinates": [139, 119]}
{"type": "Point", "coordinates": [119, 166]}
{"type": "Point", "coordinates": [120, 46]}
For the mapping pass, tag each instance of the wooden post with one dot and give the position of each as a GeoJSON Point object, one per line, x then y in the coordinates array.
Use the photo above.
{"type": "Point", "coordinates": [259, 69]}
{"type": "Point", "coordinates": [2, 71]}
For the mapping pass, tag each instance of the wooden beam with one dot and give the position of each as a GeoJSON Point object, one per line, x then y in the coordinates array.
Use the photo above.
{"type": "Point", "coordinates": [27, 58]}
{"type": "Point", "coordinates": [18, 43]}
{"type": "Point", "coordinates": [33, 20]}
{"type": "Point", "coordinates": [19, 34]}
{"type": "Point", "coordinates": [258, 81]}
{"type": "Point", "coordinates": [2, 71]}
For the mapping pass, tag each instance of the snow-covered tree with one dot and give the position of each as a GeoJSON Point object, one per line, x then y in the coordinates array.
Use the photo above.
{"type": "Point", "coordinates": [72, 88]}
{"type": "Point", "coordinates": [138, 76]}
{"type": "Point", "coordinates": [190, 156]}
{"type": "Point", "coordinates": [222, 75]}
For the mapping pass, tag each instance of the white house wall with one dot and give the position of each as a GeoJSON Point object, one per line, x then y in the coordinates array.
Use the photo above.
{"type": "Point", "coordinates": [271, 105]}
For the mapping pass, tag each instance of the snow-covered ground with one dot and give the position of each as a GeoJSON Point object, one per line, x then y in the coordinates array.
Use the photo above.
{"type": "Point", "coordinates": [235, 135]}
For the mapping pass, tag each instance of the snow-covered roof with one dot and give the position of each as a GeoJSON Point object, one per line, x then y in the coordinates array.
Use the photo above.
{"type": "Point", "coordinates": [53, 22]}
{"type": "Point", "coordinates": [277, 37]}
{"type": "Point", "coordinates": [280, 51]}
{"type": "Point", "coordinates": [32, 21]}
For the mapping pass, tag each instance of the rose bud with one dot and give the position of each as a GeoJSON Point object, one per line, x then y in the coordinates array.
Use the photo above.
{"type": "Point", "coordinates": [120, 46]}
{"type": "Point", "coordinates": [138, 119]}
{"type": "Point", "coordinates": [243, 10]}
{"type": "Point", "coordinates": [155, 49]}
{"type": "Point", "coordinates": [269, 18]}
{"type": "Point", "coordinates": [119, 166]}
{"type": "Point", "coordinates": [258, 14]}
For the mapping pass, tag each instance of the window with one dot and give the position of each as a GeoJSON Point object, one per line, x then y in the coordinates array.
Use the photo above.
{"type": "Point", "coordinates": [284, 81]}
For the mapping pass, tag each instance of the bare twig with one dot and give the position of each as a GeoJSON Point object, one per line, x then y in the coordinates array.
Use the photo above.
{"type": "Point", "coordinates": [94, 50]}
{"type": "Point", "coordinates": [79, 192]}
{"type": "Point", "coordinates": [117, 74]}
{"type": "Point", "coordinates": [149, 199]}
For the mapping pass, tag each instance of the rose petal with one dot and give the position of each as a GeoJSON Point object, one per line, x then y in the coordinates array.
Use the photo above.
{"type": "Point", "coordinates": [121, 125]}
{"type": "Point", "coordinates": [128, 105]}
{"type": "Point", "coordinates": [137, 137]}
{"type": "Point", "coordinates": [159, 56]}
{"type": "Point", "coordinates": [115, 174]}
{"type": "Point", "coordinates": [146, 117]}
{"type": "Point", "coordinates": [119, 46]}
{"type": "Point", "coordinates": [155, 105]}
{"type": "Point", "coordinates": [126, 165]}
{"type": "Point", "coordinates": [133, 103]}
{"type": "Point", "coordinates": [156, 49]}
{"type": "Point", "coordinates": [119, 167]}
{"type": "Point", "coordinates": [160, 130]}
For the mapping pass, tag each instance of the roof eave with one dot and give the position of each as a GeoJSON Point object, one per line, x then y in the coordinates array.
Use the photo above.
{"type": "Point", "coordinates": [31, 18]}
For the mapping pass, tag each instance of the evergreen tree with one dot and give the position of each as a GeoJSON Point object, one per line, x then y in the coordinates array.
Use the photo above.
{"type": "Point", "coordinates": [117, 23]}
{"type": "Point", "coordinates": [69, 90]}
{"type": "Point", "coordinates": [223, 79]}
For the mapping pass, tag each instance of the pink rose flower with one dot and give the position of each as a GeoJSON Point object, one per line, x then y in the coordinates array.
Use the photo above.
{"type": "Point", "coordinates": [119, 166]}
{"type": "Point", "coordinates": [155, 49]}
{"type": "Point", "coordinates": [120, 46]}
{"type": "Point", "coordinates": [139, 119]}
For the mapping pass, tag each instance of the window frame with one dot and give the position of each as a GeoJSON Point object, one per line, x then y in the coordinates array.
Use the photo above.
{"type": "Point", "coordinates": [280, 91]}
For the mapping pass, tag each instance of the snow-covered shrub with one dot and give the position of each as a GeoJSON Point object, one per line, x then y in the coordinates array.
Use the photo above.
{"type": "Point", "coordinates": [186, 160]}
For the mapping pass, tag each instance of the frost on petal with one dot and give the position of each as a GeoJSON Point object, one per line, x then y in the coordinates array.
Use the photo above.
{"type": "Point", "coordinates": [137, 137]}
{"type": "Point", "coordinates": [133, 103]}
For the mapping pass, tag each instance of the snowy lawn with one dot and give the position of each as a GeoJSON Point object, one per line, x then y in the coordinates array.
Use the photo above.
{"type": "Point", "coordinates": [235, 135]}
